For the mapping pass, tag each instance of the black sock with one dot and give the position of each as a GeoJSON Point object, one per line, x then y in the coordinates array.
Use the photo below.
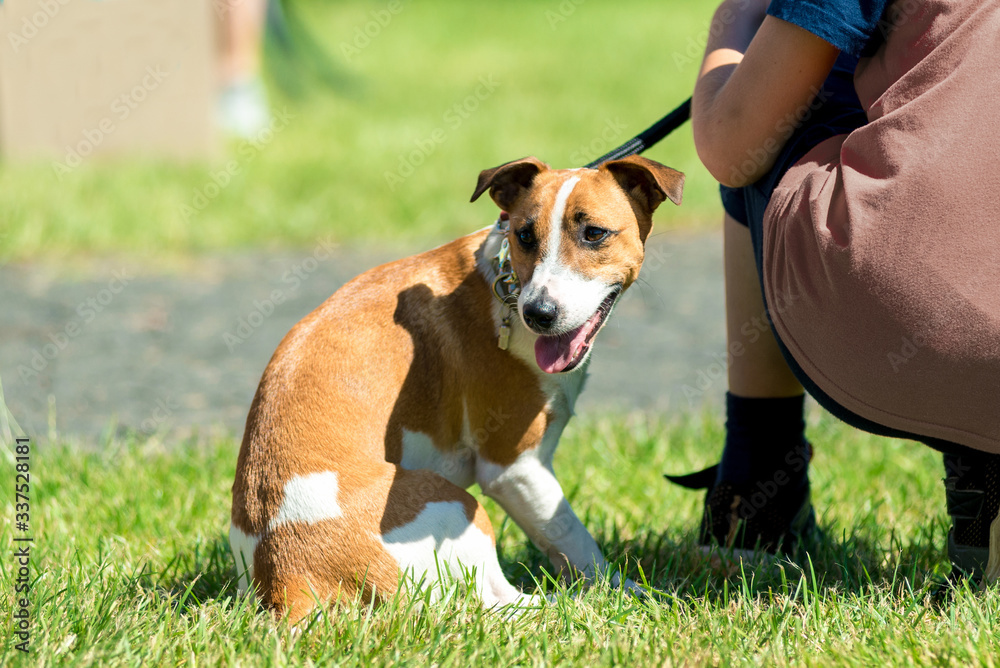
{"type": "Point", "coordinates": [765, 441]}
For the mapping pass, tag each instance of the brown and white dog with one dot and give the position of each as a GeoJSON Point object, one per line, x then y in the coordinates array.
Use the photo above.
{"type": "Point", "coordinates": [383, 405]}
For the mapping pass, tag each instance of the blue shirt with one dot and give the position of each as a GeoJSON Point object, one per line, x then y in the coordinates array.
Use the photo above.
{"type": "Point", "coordinates": [846, 24]}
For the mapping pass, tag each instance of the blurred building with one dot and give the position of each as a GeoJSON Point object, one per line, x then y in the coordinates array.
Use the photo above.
{"type": "Point", "coordinates": [82, 78]}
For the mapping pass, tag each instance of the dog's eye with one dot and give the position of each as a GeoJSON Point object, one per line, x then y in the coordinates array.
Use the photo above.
{"type": "Point", "coordinates": [594, 234]}
{"type": "Point", "coordinates": [526, 236]}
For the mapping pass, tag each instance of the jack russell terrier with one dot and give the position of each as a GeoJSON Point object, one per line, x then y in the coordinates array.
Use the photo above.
{"type": "Point", "coordinates": [423, 376]}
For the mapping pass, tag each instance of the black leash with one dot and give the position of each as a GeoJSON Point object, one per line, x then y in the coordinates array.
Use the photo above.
{"type": "Point", "coordinates": [649, 136]}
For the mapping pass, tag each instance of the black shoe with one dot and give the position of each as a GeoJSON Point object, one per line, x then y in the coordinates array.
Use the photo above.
{"type": "Point", "coordinates": [762, 517]}
{"type": "Point", "coordinates": [972, 492]}
{"type": "Point", "coordinates": [740, 518]}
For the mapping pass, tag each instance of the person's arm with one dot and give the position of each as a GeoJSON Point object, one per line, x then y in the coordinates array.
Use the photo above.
{"type": "Point", "coordinates": [759, 73]}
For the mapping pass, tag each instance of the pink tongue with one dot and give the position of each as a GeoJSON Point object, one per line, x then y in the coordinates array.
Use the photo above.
{"type": "Point", "coordinates": [555, 353]}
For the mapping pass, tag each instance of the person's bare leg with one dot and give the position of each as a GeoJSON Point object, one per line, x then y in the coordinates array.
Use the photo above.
{"type": "Point", "coordinates": [759, 499]}
{"type": "Point", "coordinates": [241, 28]}
{"type": "Point", "coordinates": [760, 371]}
{"type": "Point", "coordinates": [242, 108]}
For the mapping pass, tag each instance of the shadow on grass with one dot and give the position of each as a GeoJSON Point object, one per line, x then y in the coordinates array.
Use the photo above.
{"type": "Point", "coordinates": [672, 564]}
{"type": "Point", "coordinates": [197, 574]}
{"type": "Point", "coordinates": [675, 565]}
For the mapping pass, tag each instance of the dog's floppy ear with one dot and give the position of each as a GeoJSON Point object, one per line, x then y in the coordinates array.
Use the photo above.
{"type": "Point", "coordinates": [646, 181]}
{"type": "Point", "coordinates": [508, 181]}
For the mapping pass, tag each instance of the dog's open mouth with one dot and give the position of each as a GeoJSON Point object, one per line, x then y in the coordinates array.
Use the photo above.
{"type": "Point", "coordinates": [555, 354]}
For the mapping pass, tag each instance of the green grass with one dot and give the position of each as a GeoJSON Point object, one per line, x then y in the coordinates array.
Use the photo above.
{"type": "Point", "coordinates": [132, 567]}
{"type": "Point", "coordinates": [608, 68]}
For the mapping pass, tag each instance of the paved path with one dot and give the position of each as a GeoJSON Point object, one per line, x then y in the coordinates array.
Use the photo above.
{"type": "Point", "coordinates": [182, 349]}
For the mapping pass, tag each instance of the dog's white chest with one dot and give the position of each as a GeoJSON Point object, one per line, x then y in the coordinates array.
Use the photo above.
{"type": "Point", "coordinates": [457, 466]}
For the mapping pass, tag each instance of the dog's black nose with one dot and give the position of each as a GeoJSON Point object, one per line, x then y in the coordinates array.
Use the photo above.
{"type": "Point", "coordinates": [541, 314]}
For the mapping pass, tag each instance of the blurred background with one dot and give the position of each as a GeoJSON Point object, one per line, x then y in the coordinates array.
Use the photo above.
{"type": "Point", "coordinates": [181, 182]}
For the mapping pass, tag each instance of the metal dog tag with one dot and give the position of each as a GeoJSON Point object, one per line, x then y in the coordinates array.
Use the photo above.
{"type": "Point", "coordinates": [504, 339]}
